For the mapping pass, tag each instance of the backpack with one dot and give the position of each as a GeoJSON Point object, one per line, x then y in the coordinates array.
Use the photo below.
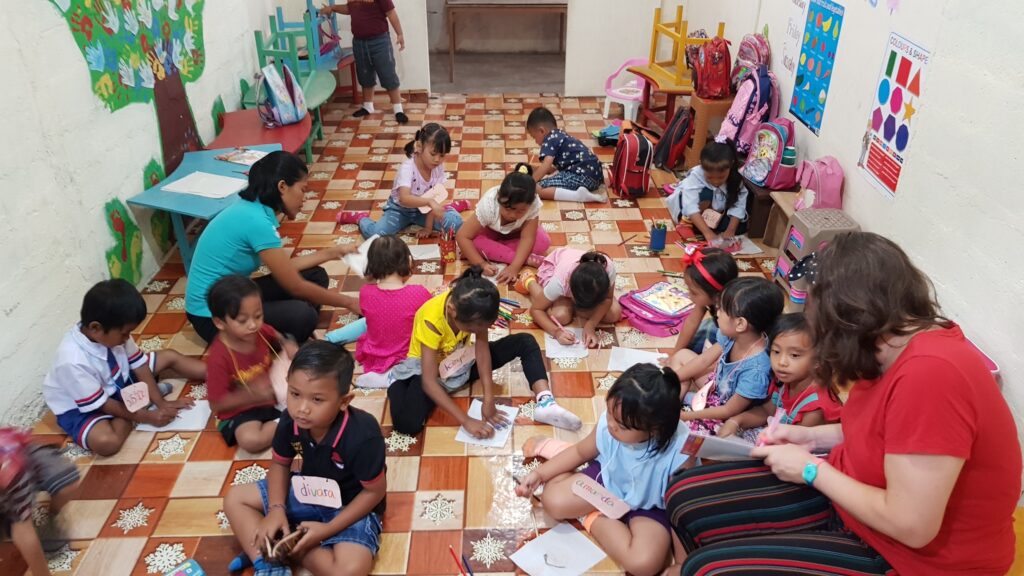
{"type": "Point", "coordinates": [754, 51]}
{"type": "Point", "coordinates": [608, 136]}
{"type": "Point", "coordinates": [658, 310]}
{"type": "Point", "coordinates": [631, 166]}
{"type": "Point", "coordinates": [764, 165]}
{"type": "Point", "coordinates": [280, 101]}
{"type": "Point", "coordinates": [822, 184]}
{"type": "Point", "coordinates": [669, 151]}
{"type": "Point", "coordinates": [757, 101]}
{"type": "Point", "coordinates": [711, 73]}
{"type": "Point", "coordinates": [12, 454]}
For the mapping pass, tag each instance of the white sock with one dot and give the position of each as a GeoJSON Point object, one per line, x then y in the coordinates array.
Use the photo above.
{"type": "Point", "coordinates": [580, 194]}
{"type": "Point", "coordinates": [398, 107]}
{"type": "Point", "coordinates": [368, 106]}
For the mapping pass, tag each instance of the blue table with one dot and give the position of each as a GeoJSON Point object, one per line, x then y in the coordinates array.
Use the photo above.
{"type": "Point", "coordinates": [180, 205]}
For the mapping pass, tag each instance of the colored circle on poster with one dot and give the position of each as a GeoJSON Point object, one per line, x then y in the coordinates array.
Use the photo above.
{"type": "Point", "coordinates": [896, 100]}
{"type": "Point", "coordinates": [795, 102]}
{"type": "Point", "coordinates": [902, 137]}
{"type": "Point", "coordinates": [821, 97]}
{"type": "Point", "coordinates": [889, 129]}
{"type": "Point", "coordinates": [883, 92]}
{"type": "Point", "coordinates": [810, 64]}
{"type": "Point", "coordinates": [876, 119]}
{"type": "Point", "coordinates": [817, 117]}
{"type": "Point", "coordinates": [803, 60]}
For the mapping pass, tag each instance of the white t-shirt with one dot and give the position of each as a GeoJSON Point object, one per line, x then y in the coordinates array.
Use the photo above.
{"type": "Point", "coordinates": [488, 212]}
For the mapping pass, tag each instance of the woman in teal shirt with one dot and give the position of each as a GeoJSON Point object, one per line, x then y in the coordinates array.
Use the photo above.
{"type": "Point", "coordinates": [245, 235]}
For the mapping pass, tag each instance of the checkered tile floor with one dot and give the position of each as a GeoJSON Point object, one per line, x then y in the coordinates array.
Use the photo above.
{"type": "Point", "coordinates": [160, 499]}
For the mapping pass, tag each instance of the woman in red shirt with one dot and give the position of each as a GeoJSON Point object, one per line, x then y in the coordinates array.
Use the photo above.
{"type": "Point", "coordinates": [924, 472]}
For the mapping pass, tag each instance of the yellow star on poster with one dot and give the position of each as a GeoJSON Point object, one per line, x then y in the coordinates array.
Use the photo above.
{"type": "Point", "coordinates": [908, 110]}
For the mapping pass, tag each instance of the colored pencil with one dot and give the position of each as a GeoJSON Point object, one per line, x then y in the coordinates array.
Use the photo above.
{"type": "Point", "coordinates": [628, 239]}
{"type": "Point", "coordinates": [511, 302]}
{"type": "Point", "coordinates": [465, 561]}
{"type": "Point", "coordinates": [456, 558]}
{"type": "Point", "coordinates": [773, 423]}
{"type": "Point", "coordinates": [562, 328]}
{"type": "Point", "coordinates": [672, 274]}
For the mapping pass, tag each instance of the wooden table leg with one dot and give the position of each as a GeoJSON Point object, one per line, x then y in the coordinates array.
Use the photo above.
{"type": "Point", "coordinates": [451, 45]}
{"type": "Point", "coordinates": [184, 246]}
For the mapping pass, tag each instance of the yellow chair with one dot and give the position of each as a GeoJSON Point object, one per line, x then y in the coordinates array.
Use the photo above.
{"type": "Point", "coordinates": [671, 77]}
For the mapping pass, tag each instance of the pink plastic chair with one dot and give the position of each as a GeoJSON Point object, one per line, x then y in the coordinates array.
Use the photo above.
{"type": "Point", "coordinates": [629, 95]}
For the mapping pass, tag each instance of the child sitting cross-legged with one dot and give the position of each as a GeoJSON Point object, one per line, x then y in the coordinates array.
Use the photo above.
{"type": "Point", "coordinates": [338, 452]}
{"type": "Point", "coordinates": [97, 359]}
{"type": "Point", "coordinates": [632, 451]}
{"type": "Point", "coordinates": [579, 174]}
{"type": "Point", "coordinates": [238, 365]}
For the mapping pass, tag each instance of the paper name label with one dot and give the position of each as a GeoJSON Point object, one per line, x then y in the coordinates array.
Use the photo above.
{"type": "Point", "coordinates": [599, 496]}
{"type": "Point", "coordinates": [316, 491]}
{"type": "Point", "coordinates": [135, 396]}
{"type": "Point", "coordinates": [700, 399]}
{"type": "Point", "coordinates": [457, 361]}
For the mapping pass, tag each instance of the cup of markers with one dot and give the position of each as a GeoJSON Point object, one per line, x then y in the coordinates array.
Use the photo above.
{"type": "Point", "coordinates": [659, 232]}
{"type": "Point", "coordinates": [447, 247]}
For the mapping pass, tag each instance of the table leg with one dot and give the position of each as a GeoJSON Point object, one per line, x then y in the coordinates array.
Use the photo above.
{"type": "Point", "coordinates": [451, 45]}
{"type": "Point", "coordinates": [561, 32]}
{"type": "Point", "coordinates": [184, 246]}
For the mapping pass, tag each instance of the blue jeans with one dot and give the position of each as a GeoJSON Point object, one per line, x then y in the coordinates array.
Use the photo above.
{"type": "Point", "coordinates": [397, 218]}
{"type": "Point", "coordinates": [375, 59]}
{"type": "Point", "coordinates": [365, 531]}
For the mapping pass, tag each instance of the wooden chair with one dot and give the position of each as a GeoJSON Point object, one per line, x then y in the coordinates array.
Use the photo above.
{"type": "Point", "coordinates": [670, 77]}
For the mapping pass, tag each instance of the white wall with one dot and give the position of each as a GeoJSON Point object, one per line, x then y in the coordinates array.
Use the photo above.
{"type": "Point", "coordinates": [958, 208]}
{"type": "Point", "coordinates": [493, 31]}
{"type": "Point", "coordinates": [63, 156]}
{"type": "Point", "coordinates": [600, 36]}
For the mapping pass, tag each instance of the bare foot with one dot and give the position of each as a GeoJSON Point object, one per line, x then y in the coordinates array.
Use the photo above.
{"type": "Point", "coordinates": [534, 445]}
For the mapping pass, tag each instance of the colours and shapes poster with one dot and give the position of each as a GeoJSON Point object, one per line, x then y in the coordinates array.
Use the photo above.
{"type": "Point", "coordinates": [896, 99]}
{"type": "Point", "coordinates": [817, 58]}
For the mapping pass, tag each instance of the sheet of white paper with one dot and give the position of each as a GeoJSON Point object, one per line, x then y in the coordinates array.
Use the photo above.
{"type": "Point", "coordinates": [624, 358]}
{"type": "Point", "coordinates": [425, 252]}
{"type": "Point", "coordinates": [207, 185]}
{"type": "Point", "coordinates": [498, 267]}
{"type": "Point", "coordinates": [500, 436]}
{"type": "Point", "coordinates": [357, 260]}
{"type": "Point", "coordinates": [189, 420]}
{"type": "Point", "coordinates": [554, 349]}
{"type": "Point", "coordinates": [748, 248]}
{"type": "Point", "coordinates": [561, 551]}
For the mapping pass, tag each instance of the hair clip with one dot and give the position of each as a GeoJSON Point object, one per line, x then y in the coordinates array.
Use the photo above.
{"type": "Point", "coordinates": [523, 169]}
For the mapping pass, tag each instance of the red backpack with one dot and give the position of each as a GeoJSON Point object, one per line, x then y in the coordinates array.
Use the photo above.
{"type": "Point", "coordinates": [631, 166]}
{"type": "Point", "coordinates": [712, 72]}
{"type": "Point", "coordinates": [669, 150]}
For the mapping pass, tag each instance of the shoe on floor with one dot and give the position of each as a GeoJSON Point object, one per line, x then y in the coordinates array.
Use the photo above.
{"type": "Point", "coordinates": [557, 416]}
{"type": "Point", "coordinates": [239, 563]}
{"type": "Point", "coordinates": [460, 205]}
{"type": "Point", "coordinates": [401, 118]}
{"type": "Point", "coordinates": [522, 284]}
{"type": "Point", "coordinates": [349, 217]}
{"type": "Point", "coordinates": [360, 113]}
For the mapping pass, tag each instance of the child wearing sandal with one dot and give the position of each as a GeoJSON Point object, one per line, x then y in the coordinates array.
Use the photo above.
{"type": "Point", "coordinates": [442, 360]}
{"type": "Point", "coordinates": [568, 171]}
{"type": "Point", "coordinates": [334, 519]}
{"type": "Point", "coordinates": [388, 305]}
{"type": "Point", "coordinates": [506, 227]}
{"type": "Point", "coordinates": [423, 170]}
{"type": "Point", "coordinates": [632, 451]}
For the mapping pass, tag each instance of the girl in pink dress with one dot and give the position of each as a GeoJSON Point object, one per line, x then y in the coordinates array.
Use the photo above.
{"type": "Point", "coordinates": [388, 306]}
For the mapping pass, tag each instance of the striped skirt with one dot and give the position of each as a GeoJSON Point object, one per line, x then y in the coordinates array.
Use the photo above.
{"type": "Point", "coordinates": [739, 518]}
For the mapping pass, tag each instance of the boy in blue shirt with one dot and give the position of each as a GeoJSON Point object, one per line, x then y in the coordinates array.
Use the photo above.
{"type": "Point", "coordinates": [579, 173]}
{"type": "Point", "coordinates": [97, 359]}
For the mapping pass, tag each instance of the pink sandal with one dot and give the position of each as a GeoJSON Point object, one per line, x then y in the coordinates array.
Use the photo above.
{"type": "Point", "coordinates": [460, 205]}
{"type": "Point", "coordinates": [348, 217]}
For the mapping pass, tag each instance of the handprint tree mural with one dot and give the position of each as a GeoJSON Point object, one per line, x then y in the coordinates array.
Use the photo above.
{"type": "Point", "coordinates": [141, 51]}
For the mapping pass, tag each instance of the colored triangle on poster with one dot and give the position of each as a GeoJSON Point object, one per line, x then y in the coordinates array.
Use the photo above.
{"type": "Point", "coordinates": [903, 75]}
{"type": "Point", "coordinates": [915, 85]}
{"type": "Point", "coordinates": [891, 64]}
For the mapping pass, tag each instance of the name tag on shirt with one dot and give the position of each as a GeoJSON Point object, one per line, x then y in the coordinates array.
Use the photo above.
{"type": "Point", "coordinates": [316, 491]}
{"type": "Point", "coordinates": [599, 497]}
{"type": "Point", "coordinates": [457, 362]}
{"type": "Point", "coordinates": [135, 397]}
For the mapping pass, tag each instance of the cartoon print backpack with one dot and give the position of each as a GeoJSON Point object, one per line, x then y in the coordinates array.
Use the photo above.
{"type": "Point", "coordinates": [280, 100]}
{"type": "Point", "coordinates": [631, 166]}
{"type": "Point", "coordinates": [754, 51]}
{"type": "Point", "coordinates": [711, 72]}
{"type": "Point", "coordinates": [658, 310]}
{"type": "Point", "coordinates": [757, 100]}
{"type": "Point", "coordinates": [765, 164]}
{"type": "Point", "coordinates": [669, 151]}
{"type": "Point", "coordinates": [821, 183]}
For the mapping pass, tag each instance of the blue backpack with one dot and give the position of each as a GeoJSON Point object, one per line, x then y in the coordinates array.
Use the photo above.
{"type": "Point", "coordinates": [279, 100]}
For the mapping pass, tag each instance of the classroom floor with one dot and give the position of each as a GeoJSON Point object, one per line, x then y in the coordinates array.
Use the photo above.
{"type": "Point", "coordinates": [159, 500]}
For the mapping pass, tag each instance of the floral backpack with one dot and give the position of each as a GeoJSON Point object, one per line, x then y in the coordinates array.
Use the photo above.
{"type": "Point", "coordinates": [279, 97]}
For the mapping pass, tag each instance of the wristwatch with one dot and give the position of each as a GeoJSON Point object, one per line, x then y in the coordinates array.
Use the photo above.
{"type": "Point", "coordinates": [811, 471]}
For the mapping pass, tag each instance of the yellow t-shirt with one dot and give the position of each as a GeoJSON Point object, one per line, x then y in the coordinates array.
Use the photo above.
{"type": "Point", "coordinates": [422, 335]}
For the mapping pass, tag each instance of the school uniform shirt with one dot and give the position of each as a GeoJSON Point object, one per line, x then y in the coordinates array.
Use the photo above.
{"type": "Point", "coordinates": [488, 213]}
{"type": "Point", "coordinates": [409, 176]}
{"type": "Point", "coordinates": [225, 375]}
{"type": "Point", "coordinates": [685, 199]}
{"type": "Point", "coordinates": [938, 398]}
{"type": "Point", "coordinates": [422, 335]}
{"type": "Point", "coordinates": [369, 17]}
{"type": "Point", "coordinates": [571, 155]}
{"type": "Point", "coordinates": [795, 406]}
{"type": "Point", "coordinates": [634, 474]}
{"type": "Point", "coordinates": [351, 453]}
{"type": "Point", "coordinates": [230, 244]}
{"type": "Point", "coordinates": [85, 373]}
{"type": "Point", "coordinates": [557, 268]}
{"type": "Point", "coordinates": [748, 377]}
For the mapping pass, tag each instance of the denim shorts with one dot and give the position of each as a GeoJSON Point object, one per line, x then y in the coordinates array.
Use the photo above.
{"type": "Point", "coordinates": [375, 58]}
{"type": "Point", "coordinates": [365, 531]}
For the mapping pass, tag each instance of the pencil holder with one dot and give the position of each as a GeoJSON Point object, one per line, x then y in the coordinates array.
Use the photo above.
{"type": "Point", "coordinates": [447, 251]}
{"type": "Point", "coordinates": [658, 236]}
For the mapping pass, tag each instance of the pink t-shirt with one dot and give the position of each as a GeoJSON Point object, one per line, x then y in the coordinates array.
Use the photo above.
{"type": "Point", "coordinates": [557, 267]}
{"type": "Point", "coordinates": [409, 176]}
{"type": "Point", "coordinates": [389, 315]}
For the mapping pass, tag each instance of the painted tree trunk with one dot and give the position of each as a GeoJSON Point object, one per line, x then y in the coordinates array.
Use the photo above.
{"type": "Point", "coordinates": [178, 132]}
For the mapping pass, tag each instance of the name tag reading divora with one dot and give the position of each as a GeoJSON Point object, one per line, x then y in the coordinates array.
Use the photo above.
{"type": "Point", "coordinates": [316, 491]}
{"type": "Point", "coordinates": [135, 396]}
{"type": "Point", "coordinates": [599, 496]}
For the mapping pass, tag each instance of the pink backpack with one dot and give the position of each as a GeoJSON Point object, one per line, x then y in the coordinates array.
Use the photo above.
{"type": "Point", "coordinates": [658, 310]}
{"type": "Point", "coordinates": [822, 184]}
{"type": "Point", "coordinates": [756, 101]}
{"type": "Point", "coordinates": [764, 165]}
{"type": "Point", "coordinates": [754, 51]}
